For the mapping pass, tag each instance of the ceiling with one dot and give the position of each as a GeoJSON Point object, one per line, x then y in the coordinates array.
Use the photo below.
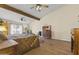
{"type": "Point", "coordinates": [27, 9]}
{"type": "Point", "coordinates": [13, 17]}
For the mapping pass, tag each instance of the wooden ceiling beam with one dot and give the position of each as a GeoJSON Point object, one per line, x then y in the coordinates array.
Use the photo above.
{"type": "Point", "coordinates": [18, 11]}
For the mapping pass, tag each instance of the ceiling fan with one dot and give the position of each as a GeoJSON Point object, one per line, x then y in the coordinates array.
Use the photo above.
{"type": "Point", "coordinates": [39, 7]}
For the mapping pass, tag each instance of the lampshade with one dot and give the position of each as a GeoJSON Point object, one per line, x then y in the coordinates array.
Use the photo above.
{"type": "Point", "coordinates": [2, 28]}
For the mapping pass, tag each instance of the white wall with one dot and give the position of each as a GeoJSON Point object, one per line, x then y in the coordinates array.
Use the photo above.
{"type": "Point", "coordinates": [62, 21]}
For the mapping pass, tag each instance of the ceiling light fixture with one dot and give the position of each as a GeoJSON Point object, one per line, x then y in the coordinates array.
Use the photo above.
{"type": "Point", "coordinates": [39, 7]}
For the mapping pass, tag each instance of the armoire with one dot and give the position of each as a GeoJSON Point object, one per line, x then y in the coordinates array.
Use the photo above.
{"type": "Point", "coordinates": [75, 41]}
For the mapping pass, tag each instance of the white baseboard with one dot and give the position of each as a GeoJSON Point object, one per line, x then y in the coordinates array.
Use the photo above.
{"type": "Point", "coordinates": [62, 39]}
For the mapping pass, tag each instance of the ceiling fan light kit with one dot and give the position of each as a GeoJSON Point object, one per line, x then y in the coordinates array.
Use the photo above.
{"type": "Point", "coordinates": [39, 7]}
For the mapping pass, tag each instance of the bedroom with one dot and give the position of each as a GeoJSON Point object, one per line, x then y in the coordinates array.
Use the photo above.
{"type": "Point", "coordinates": [27, 19]}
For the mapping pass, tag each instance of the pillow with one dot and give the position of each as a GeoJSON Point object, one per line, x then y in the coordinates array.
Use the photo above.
{"type": "Point", "coordinates": [2, 37]}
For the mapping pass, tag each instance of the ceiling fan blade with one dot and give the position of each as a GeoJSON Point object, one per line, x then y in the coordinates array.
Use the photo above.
{"type": "Point", "coordinates": [44, 5]}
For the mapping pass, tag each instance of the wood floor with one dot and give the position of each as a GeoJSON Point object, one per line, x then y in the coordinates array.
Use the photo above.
{"type": "Point", "coordinates": [51, 47]}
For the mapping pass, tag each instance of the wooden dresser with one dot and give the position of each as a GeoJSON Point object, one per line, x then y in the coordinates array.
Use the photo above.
{"type": "Point", "coordinates": [75, 41]}
{"type": "Point", "coordinates": [8, 47]}
{"type": "Point", "coordinates": [47, 32]}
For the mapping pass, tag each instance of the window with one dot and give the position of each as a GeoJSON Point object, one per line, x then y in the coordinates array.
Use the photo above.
{"type": "Point", "coordinates": [15, 29]}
